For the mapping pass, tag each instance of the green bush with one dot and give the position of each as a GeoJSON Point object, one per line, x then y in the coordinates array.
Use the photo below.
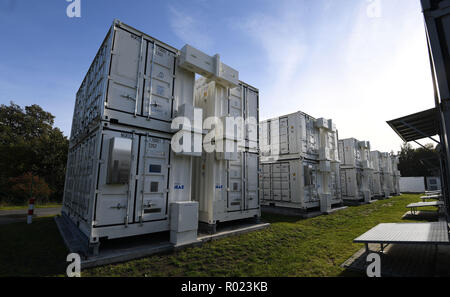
{"type": "Point", "coordinates": [23, 187]}
{"type": "Point", "coordinates": [29, 144]}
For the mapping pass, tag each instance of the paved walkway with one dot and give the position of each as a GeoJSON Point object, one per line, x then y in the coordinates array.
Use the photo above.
{"type": "Point", "coordinates": [20, 215]}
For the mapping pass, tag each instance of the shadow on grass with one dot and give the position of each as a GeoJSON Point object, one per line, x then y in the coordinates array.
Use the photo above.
{"type": "Point", "coordinates": [422, 216]}
{"type": "Point", "coordinates": [32, 250]}
{"type": "Point", "coordinates": [276, 218]}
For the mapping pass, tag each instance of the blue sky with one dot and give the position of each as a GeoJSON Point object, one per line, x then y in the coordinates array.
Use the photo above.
{"type": "Point", "coordinates": [328, 58]}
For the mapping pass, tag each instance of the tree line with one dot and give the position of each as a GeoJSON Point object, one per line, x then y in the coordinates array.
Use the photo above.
{"type": "Point", "coordinates": [33, 155]}
{"type": "Point", "coordinates": [422, 161]}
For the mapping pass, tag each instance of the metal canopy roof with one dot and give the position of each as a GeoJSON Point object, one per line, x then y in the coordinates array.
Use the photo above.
{"type": "Point", "coordinates": [416, 126]}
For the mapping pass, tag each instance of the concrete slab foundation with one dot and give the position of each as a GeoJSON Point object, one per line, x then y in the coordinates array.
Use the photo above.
{"type": "Point", "coordinates": [126, 249]}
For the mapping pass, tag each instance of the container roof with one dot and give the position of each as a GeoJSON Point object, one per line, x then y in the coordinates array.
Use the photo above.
{"type": "Point", "coordinates": [416, 126]}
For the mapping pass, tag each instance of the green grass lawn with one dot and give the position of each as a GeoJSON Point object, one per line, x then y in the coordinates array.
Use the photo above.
{"type": "Point", "coordinates": [17, 207]}
{"type": "Point", "coordinates": [289, 247]}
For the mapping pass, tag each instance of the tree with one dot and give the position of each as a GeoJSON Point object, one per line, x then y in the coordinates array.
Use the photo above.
{"type": "Point", "coordinates": [30, 144]}
{"type": "Point", "coordinates": [26, 185]}
{"type": "Point", "coordinates": [418, 162]}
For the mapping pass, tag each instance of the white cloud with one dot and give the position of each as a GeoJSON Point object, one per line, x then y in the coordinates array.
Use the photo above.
{"type": "Point", "coordinates": [357, 70]}
{"type": "Point", "coordinates": [188, 28]}
{"type": "Point", "coordinates": [284, 46]}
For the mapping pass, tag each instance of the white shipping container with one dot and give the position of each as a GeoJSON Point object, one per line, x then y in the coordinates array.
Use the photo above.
{"type": "Point", "coordinates": [298, 184]}
{"type": "Point", "coordinates": [139, 81]}
{"type": "Point", "coordinates": [119, 182]}
{"type": "Point", "coordinates": [356, 169]}
{"type": "Point", "coordinates": [298, 135]}
{"type": "Point", "coordinates": [122, 172]}
{"type": "Point", "coordinates": [241, 102]}
{"type": "Point", "coordinates": [134, 80]}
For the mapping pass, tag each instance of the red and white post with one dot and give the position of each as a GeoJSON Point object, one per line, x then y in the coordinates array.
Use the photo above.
{"type": "Point", "coordinates": [30, 211]}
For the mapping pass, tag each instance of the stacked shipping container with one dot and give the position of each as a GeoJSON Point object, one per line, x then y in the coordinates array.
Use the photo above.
{"type": "Point", "coordinates": [122, 172]}
{"type": "Point", "coordinates": [299, 162]}
{"type": "Point", "coordinates": [226, 181]}
{"type": "Point", "coordinates": [356, 170]}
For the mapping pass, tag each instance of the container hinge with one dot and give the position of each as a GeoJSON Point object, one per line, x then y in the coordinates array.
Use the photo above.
{"type": "Point", "coordinates": [151, 81]}
{"type": "Point", "coordinates": [139, 75]}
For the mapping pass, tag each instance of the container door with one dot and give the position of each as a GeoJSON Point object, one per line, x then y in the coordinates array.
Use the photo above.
{"type": "Point", "coordinates": [349, 153]}
{"type": "Point", "coordinates": [377, 183]}
{"type": "Point", "coordinates": [359, 182]}
{"type": "Point", "coordinates": [126, 64]}
{"type": "Point", "coordinates": [115, 191]}
{"type": "Point", "coordinates": [358, 155]}
{"type": "Point", "coordinates": [284, 136]}
{"type": "Point", "coordinates": [275, 137]}
{"type": "Point", "coordinates": [264, 139]}
{"type": "Point", "coordinates": [88, 178]}
{"type": "Point", "coordinates": [266, 181]}
{"type": "Point", "coordinates": [251, 178]}
{"type": "Point", "coordinates": [312, 136]}
{"type": "Point", "coordinates": [251, 115]}
{"type": "Point", "coordinates": [152, 194]}
{"type": "Point", "coordinates": [310, 181]}
{"type": "Point", "coordinates": [276, 182]}
{"type": "Point", "coordinates": [334, 183]}
{"type": "Point", "coordinates": [235, 184]}
{"type": "Point", "coordinates": [235, 108]}
{"type": "Point", "coordinates": [344, 183]}
{"type": "Point", "coordinates": [158, 83]}
{"type": "Point", "coordinates": [351, 182]}
{"type": "Point", "coordinates": [285, 182]}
